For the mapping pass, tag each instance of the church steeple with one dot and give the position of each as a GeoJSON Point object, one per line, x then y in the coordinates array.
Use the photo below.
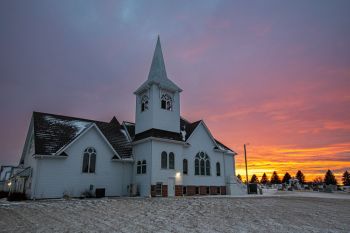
{"type": "Point", "coordinates": [157, 99]}
{"type": "Point", "coordinates": [157, 73]}
{"type": "Point", "coordinates": [157, 70]}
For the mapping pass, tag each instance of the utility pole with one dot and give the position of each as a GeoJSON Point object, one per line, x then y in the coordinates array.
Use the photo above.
{"type": "Point", "coordinates": [246, 168]}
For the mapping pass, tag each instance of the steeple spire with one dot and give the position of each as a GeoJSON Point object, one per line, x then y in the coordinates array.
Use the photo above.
{"type": "Point", "coordinates": [157, 71]}
{"type": "Point", "coordinates": [157, 74]}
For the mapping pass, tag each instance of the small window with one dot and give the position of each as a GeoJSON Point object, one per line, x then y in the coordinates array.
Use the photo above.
{"type": "Point", "coordinates": [197, 190]}
{"type": "Point", "coordinates": [138, 169]}
{"type": "Point", "coordinates": [164, 160]}
{"type": "Point", "coordinates": [144, 103]}
{"type": "Point", "coordinates": [218, 172]}
{"type": "Point", "coordinates": [144, 167]}
{"type": "Point", "coordinates": [185, 167]}
{"type": "Point", "coordinates": [171, 160]}
{"type": "Point", "coordinates": [166, 102]}
{"type": "Point", "coordinates": [89, 160]}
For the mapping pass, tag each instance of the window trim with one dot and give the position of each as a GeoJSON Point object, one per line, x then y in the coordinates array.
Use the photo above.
{"type": "Point", "coordinates": [89, 155]}
{"type": "Point", "coordinates": [164, 156]}
{"type": "Point", "coordinates": [196, 167]}
{"type": "Point", "coordinates": [202, 160]}
{"type": "Point", "coordinates": [144, 103]}
{"type": "Point", "coordinates": [218, 169]}
{"type": "Point", "coordinates": [144, 167]}
{"type": "Point", "coordinates": [185, 171]}
{"type": "Point", "coordinates": [138, 167]}
{"type": "Point", "coordinates": [171, 159]}
{"type": "Point", "coordinates": [141, 167]}
{"type": "Point", "coordinates": [168, 102]}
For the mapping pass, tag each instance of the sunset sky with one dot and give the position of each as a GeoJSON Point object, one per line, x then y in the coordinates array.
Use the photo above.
{"type": "Point", "coordinates": [274, 74]}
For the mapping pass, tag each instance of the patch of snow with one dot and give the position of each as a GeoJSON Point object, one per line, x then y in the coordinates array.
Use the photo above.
{"type": "Point", "coordinates": [123, 131]}
{"type": "Point", "coordinates": [180, 214]}
{"type": "Point", "coordinates": [79, 126]}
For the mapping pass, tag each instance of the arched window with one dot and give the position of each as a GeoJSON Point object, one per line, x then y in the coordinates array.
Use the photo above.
{"type": "Point", "coordinates": [164, 160]}
{"type": "Point", "coordinates": [202, 164]}
{"type": "Point", "coordinates": [202, 167]}
{"type": "Point", "coordinates": [166, 102]}
{"type": "Point", "coordinates": [144, 103]}
{"type": "Point", "coordinates": [138, 167]}
{"type": "Point", "coordinates": [207, 167]}
{"type": "Point", "coordinates": [218, 172]}
{"type": "Point", "coordinates": [89, 160]}
{"type": "Point", "coordinates": [171, 160]}
{"type": "Point", "coordinates": [185, 167]}
{"type": "Point", "coordinates": [144, 167]}
{"type": "Point", "coordinates": [196, 166]}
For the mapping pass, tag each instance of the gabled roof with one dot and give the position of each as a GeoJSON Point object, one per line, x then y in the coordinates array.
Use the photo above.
{"type": "Point", "coordinates": [222, 146]}
{"type": "Point", "coordinates": [53, 132]}
{"type": "Point", "coordinates": [157, 74]}
{"type": "Point", "coordinates": [189, 128]}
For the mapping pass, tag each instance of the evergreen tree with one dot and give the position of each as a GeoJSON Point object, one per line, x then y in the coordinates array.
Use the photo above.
{"type": "Point", "coordinates": [275, 179]}
{"type": "Point", "coordinates": [264, 179]}
{"type": "Point", "coordinates": [300, 176]}
{"type": "Point", "coordinates": [239, 177]}
{"type": "Point", "coordinates": [346, 178]}
{"type": "Point", "coordinates": [286, 178]}
{"type": "Point", "coordinates": [329, 178]}
{"type": "Point", "coordinates": [254, 179]}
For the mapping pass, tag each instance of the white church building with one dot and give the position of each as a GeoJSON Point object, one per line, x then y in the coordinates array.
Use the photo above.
{"type": "Point", "coordinates": [161, 154]}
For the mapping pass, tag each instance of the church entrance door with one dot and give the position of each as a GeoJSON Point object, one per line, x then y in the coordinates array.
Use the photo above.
{"type": "Point", "coordinates": [171, 187]}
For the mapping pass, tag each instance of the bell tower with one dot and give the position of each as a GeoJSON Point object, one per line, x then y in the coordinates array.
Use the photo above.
{"type": "Point", "coordinates": [157, 99]}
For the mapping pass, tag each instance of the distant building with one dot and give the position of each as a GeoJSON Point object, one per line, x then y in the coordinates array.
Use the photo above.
{"type": "Point", "coordinates": [161, 154]}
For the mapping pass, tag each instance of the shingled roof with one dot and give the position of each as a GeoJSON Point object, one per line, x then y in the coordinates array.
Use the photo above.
{"type": "Point", "coordinates": [189, 127]}
{"type": "Point", "coordinates": [53, 132]}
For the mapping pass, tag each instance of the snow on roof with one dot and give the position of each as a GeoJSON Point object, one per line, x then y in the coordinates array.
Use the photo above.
{"type": "Point", "coordinates": [77, 124]}
{"type": "Point", "coordinates": [53, 132]}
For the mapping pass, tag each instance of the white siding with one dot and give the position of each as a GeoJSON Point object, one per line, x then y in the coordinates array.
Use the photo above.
{"type": "Point", "coordinates": [200, 140]}
{"type": "Point", "coordinates": [162, 175]}
{"type": "Point", "coordinates": [143, 151]}
{"type": "Point", "coordinates": [29, 160]}
{"type": "Point", "coordinates": [155, 116]}
{"type": "Point", "coordinates": [59, 176]}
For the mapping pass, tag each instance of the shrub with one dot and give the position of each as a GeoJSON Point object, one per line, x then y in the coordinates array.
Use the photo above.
{"type": "Point", "coordinates": [86, 194]}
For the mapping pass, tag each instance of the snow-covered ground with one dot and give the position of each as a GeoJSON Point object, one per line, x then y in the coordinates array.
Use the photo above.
{"type": "Point", "coordinates": [282, 212]}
